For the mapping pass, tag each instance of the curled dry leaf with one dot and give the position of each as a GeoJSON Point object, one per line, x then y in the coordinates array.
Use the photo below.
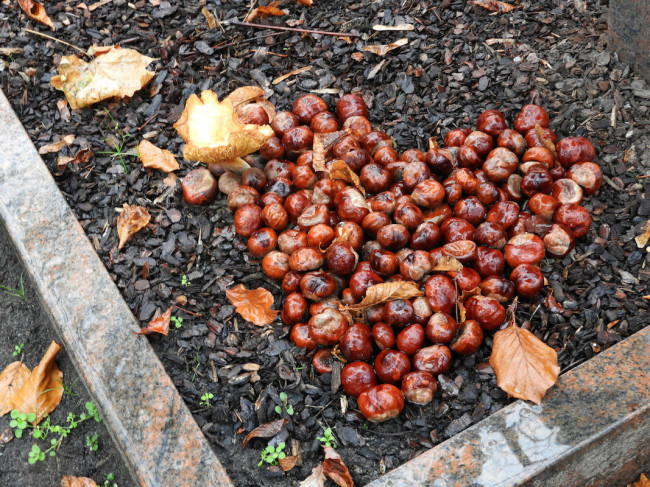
{"type": "Point", "coordinates": [57, 146]}
{"type": "Point", "coordinates": [118, 73]}
{"type": "Point", "coordinates": [287, 463]}
{"type": "Point", "coordinates": [316, 479]}
{"type": "Point", "coordinates": [340, 170]}
{"type": "Point", "coordinates": [335, 469]}
{"type": "Point", "coordinates": [157, 325]}
{"type": "Point", "coordinates": [322, 147]}
{"type": "Point", "coordinates": [495, 5]}
{"type": "Point", "coordinates": [154, 158]}
{"type": "Point", "coordinates": [551, 303]}
{"type": "Point", "coordinates": [642, 240]}
{"type": "Point", "coordinates": [42, 390]}
{"type": "Point", "coordinates": [253, 305]}
{"type": "Point", "coordinates": [271, 10]}
{"type": "Point", "coordinates": [387, 291]}
{"type": "Point", "coordinates": [131, 220]}
{"type": "Point", "coordinates": [447, 264]}
{"type": "Point", "coordinates": [209, 16]}
{"type": "Point", "coordinates": [214, 134]}
{"type": "Point", "coordinates": [81, 157]}
{"type": "Point", "coordinates": [266, 430]}
{"type": "Point", "coordinates": [524, 365]}
{"type": "Point", "coordinates": [642, 482]}
{"type": "Point", "coordinates": [11, 379]}
{"type": "Point", "coordinates": [382, 28]}
{"type": "Point", "coordinates": [70, 481]}
{"type": "Point", "coordinates": [382, 49]}
{"type": "Point", "coordinates": [36, 11]}
{"type": "Point", "coordinates": [548, 144]}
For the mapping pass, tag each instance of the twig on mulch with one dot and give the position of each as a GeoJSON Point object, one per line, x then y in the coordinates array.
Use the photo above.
{"type": "Point", "coordinates": [293, 29]}
{"type": "Point", "coordinates": [57, 40]}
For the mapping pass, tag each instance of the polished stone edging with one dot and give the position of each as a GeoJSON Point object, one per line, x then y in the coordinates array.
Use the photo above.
{"type": "Point", "coordinates": [592, 428]}
{"type": "Point", "coordinates": [149, 421]}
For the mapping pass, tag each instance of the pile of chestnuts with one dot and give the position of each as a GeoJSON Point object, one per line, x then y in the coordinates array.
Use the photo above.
{"type": "Point", "coordinates": [496, 199]}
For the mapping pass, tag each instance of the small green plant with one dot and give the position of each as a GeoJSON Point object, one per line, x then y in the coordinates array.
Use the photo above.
{"type": "Point", "coordinates": [287, 407]}
{"type": "Point", "coordinates": [197, 361]}
{"type": "Point", "coordinates": [19, 293]}
{"type": "Point", "coordinates": [205, 400]}
{"type": "Point", "coordinates": [185, 281]}
{"type": "Point", "coordinates": [20, 421]}
{"type": "Point", "coordinates": [91, 442]}
{"type": "Point", "coordinates": [36, 455]}
{"type": "Point", "coordinates": [271, 455]}
{"type": "Point", "coordinates": [178, 322]}
{"type": "Point", "coordinates": [118, 151]}
{"type": "Point", "coordinates": [109, 481]}
{"type": "Point", "coordinates": [328, 438]}
{"type": "Point", "coordinates": [18, 349]}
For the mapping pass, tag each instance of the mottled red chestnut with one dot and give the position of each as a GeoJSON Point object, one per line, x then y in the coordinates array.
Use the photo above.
{"type": "Point", "coordinates": [504, 214]}
{"type": "Point", "coordinates": [415, 265]}
{"type": "Point", "coordinates": [441, 293]}
{"type": "Point", "coordinates": [463, 251]}
{"type": "Point", "coordinates": [529, 116]}
{"type": "Point", "coordinates": [306, 259]}
{"type": "Point", "coordinates": [272, 149]}
{"type": "Point", "coordinates": [248, 218]}
{"type": "Point", "coordinates": [328, 327]}
{"type": "Point", "coordinates": [275, 217]}
{"type": "Point", "coordinates": [571, 150]}
{"type": "Point", "coordinates": [558, 240]}
{"type": "Point", "coordinates": [466, 278]}
{"type": "Point", "coordinates": [391, 366]}
{"type": "Point", "coordinates": [291, 240]}
{"type": "Point", "coordinates": [356, 343]}
{"type": "Point", "coordinates": [574, 217]}
{"type": "Point", "coordinates": [291, 282]}
{"type": "Point", "coordinates": [419, 387]}
{"type": "Point", "coordinates": [499, 288]}
{"type": "Point", "coordinates": [488, 312]}
{"type": "Point", "coordinates": [317, 285]}
{"type": "Point", "coordinates": [456, 137]}
{"type": "Point", "coordinates": [307, 106]}
{"type": "Point", "coordinates": [381, 402]}
{"type": "Point", "coordinates": [276, 265]}
{"type": "Point", "coordinates": [358, 126]}
{"type": "Point", "coordinates": [491, 235]}
{"type": "Point", "coordinates": [295, 307]}
{"type": "Point", "coordinates": [357, 377]}
{"type": "Point", "coordinates": [199, 187]}
{"type": "Point", "coordinates": [441, 328]}
{"type": "Point", "coordinates": [587, 174]}
{"type": "Point", "coordinates": [262, 241]}
{"type": "Point", "coordinates": [341, 258]}
{"type": "Point", "coordinates": [361, 280]}
{"type": "Point", "coordinates": [323, 360]}
{"type": "Point", "coordinates": [393, 237]}
{"type": "Point", "coordinates": [398, 313]}
{"type": "Point", "coordinates": [351, 105]}
{"type": "Point", "coordinates": [454, 229]}
{"type": "Point", "coordinates": [512, 140]}
{"type": "Point", "coordinates": [524, 248]}
{"type": "Point", "coordinates": [469, 339]}
{"type": "Point", "coordinates": [543, 204]}
{"type": "Point", "coordinates": [492, 122]}
{"type": "Point", "coordinates": [300, 336]}
{"type": "Point", "coordinates": [298, 139]}
{"type": "Point", "coordinates": [566, 191]}
{"type": "Point", "coordinates": [435, 359]}
{"type": "Point", "coordinates": [324, 123]}
{"type": "Point", "coordinates": [282, 122]}
{"type": "Point", "coordinates": [410, 339]}
{"type": "Point", "coordinates": [488, 262]}
{"type": "Point", "coordinates": [528, 280]}
{"type": "Point", "coordinates": [383, 335]}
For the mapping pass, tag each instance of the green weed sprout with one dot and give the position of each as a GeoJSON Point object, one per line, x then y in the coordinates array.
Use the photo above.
{"type": "Point", "coordinates": [185, 281]}
{"type": "Point", "coordinates": [178, 322]}
{"type": "Point", "coordinates": [205, 399]}
{"type": "Point", "coordinates": [19, 293]}
{"type": "Point", "coordinates": [271, 455]}
{"type": "Point", "coordinates": [18, 349]}
{"type": "Point", "coordinates": [287, 407]}
{"type": "Point", "coordinates": [328, 438]}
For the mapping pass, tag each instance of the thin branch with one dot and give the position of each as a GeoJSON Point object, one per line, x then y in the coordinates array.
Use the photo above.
{"type": "Point", "coordinates": [293, 29]}
{"type": "Point", "coordinates": [57, 40]}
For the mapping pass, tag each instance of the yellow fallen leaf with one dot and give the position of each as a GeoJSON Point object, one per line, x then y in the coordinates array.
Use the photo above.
{"type": "Point", "coordinates": [340, 170]}
{"type": "Point", "coordinates": [36, 11]}
{"type": "Point", "coordinates": [386, 291]}
{"type": "Point", "coordinates": [42, 390]}
{"type": "Point", "coordinates": [382, 49]}
{"type": "Point", "coordinates": [57, 146]}
{"type": "Point", "coordinates": [253, 305]}
{"type": "Point", "coordinates": [524, 365]}
{"type": "Point", "coordinates": [131, 220]}
{"type": "Point", "coordinates": [642, 240]}
{"type": "Point", "coordinates": [155, 158]}
{"type": "Point", "coordinates": [118, 73]}
{"type": "Point", "coordinates": [70, 481]}
{"type": "Point", "coordinates": [11, 379]}
{"type": "Point", "coordinates": [214, 134]}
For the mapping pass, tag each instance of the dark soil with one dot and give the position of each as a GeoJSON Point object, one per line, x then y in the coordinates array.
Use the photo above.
{"type": "Point", "coordinates": [24, 321]}
{"type": "Point", "coordinates": [461, 60]}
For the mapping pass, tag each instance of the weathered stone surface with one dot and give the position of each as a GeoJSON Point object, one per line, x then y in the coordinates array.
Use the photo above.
{"type": "Point", "coordinates": [149, 421]}
{"type": "Point", "coordinates": [629, 25]}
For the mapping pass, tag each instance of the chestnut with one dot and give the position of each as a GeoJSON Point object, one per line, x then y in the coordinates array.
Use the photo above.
{"type": "Point", "coordinates": [571, 150]}
{"type": "Point", "coordinates": [435, 359]}
{"type": "Point", "coordinates": [481, 142]}
{"type": "Point", "coordinates": [470, 209]}
{"type": "Point", "coordinates": [532, 137]}
{"type": "Point", "coordinates": [441, 293]}
{"type": "Point", "coordinates": [469, 158]}
{"type": "Point", "coordinates": [398, 313]}
{"type": "Point", "coordinates": [298, 139]}
{"type": "Point", "coordinates": [391, 366]}
{"type": "Point", "coordinates": [199, 187]}
{"type": "Point", "coordinates": [536, 181]}
{"type": "Point", "coordinates": [529, 117]}
{"type": "Point", "coordinates": [538, 225]}
{"type": "Point", "coordinates": [524, 248]}
{"type": "Point", "coordinates": [469, 339]}
{"type": "Point", "coordinates": [441, 328]}
{"type": "Point", "coordinates": [528, 280]}
{"type": "Point", "coordinates": [291, 240]}
{"type": "Point", "coordinates": [566, 190]}
{"type": "Point", "coordinates": [381, 402]}
{"type": "Point", "coordinates": [439, 161]}
{"type": "Point", "coordinates": [248, 219]}
{"type": "Point", "coordinates": [282, 122]}
{"type": "Point", "coordinates": [351, 233]}
{"type": "Point", "coordinates": [499, 288]}
{"type": "Point", "coordinates": [254, 177]}
{"type": "Point", "coordinates": [467, 278]}
{"type": "Point", "coordinates": [341, 258]}
{"type": "Point", "coordinates": [291, 282]}
{"type": "Point", "coordinates": [358, 126]}
{"type": "Point", "coordinates": [415, 265]}
{"type": "Point", "coordinates": [317, 285]}
{"type": "Point", "coordinates": [467, 180]}
{"type": "Point", "coordinates": [393, 237]}
{"type": "Point", "coordinates": [320, 236]}
{"type": "Point", "coordinates": [356, 342]}
{"type": "Point", "coordinates": [300, 336]}
{"type": "Point", "coordinates": [374, 178]}
{"type": "Point", "coordinates": [305, 107]}
{"type": "Point", "coordinates": [276, 265]}
{"type": "Point", "coordinates": [504, 213]}
{"type": "Point", "coordinates": [488, 312]}
{"type": "Point", "coordinates": [323, 360]}
{"type": "Point", "coordinates": [386, 156]}
{"type": "Point", "coordinates": [303, 177]}
{"type": "Point", "coordinates": [588, 176]}
{"type": "Point", "coordinates": [490, 235]}
{"type": "Point", "coordinates": [456, 137]}
{"type": "Point", "coordinates": [453, 190]}
{"type": "Point", "coordinates": [487, 193]}
{"type": "Point", "coordinates": [512, 140]}
{"type": "Point", "coordinates": [361, 280]}
{"type": "Point", "coordinates": [272, 149]}
{"type": "Point", "coordinates": [310, 215]}
{"type": "Point", "coordinates": [306, 259]}
{"type": "Point", "coordinates": [383, 335]}
{"type": "Point", "coordinates": [351, 105]}
{"type": "Point", "coordinates": [419, 387]}
{"type": "Point", "coordinates": [454, 229]}
{"type": "Point", "coordinates": [275, 217]}
{"type": "Point", "coordinates": [383, 262]}
{"type": "Point", "coordinates": [543, 205]}
{"type": "Point", "coordinates": [357, 377]}
{"type": "Point", "coordinates": [295, 307]}
{"type": "Point", "coordinates": [422, 310]}
{"type": "Point", "coordinates": [558, 241]}
{"type": "Point", "coordinates": [425, 237]}
{"type": "Point", "coordinates": [463, 251]}
{"type": "Point", "coordinates": [375, 140]}
{"type": "Point", "coordinates": [280, 185]}
{"type": "Point", "coordinates": [539, 154]}
{"type": "Point", "coordinates": [489, 262]}
{"type": "Point", "coordinates": [228, 182]}
{"type": "Point", "coordinates": [262, 241]}
{"type": "Point", "coordinates": [270, 198]}
{"type": "Point", "coordinates": [328, 327]}
{"type": "Point", "coordinates": [575, 217]}
{"type": "Point", "coordinates": [492, 122]}
{"type": "Point", "coordinates": [383, 202]}
{"type": "Point", "coordinates": [438, 215]}
{"type": "Point", "coordinates": [414, 173]}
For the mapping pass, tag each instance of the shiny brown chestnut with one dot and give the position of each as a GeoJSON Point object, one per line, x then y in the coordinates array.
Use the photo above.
{"type": "Point", "coordinates": [262, 241]}
{"type": "Point", "coordinates": [528, 280]}
{"type": "Point", "coordinates": [350, 105]}
{"type": "Point", "coordinates": [469, 339]}
{"type": "Point", "coordinates": [419, 387]}
{"type": "Point", "coordinates": [381, 402]}
{"type": "Point", "coordinates": [357, 377]}
{"type": "Point", "coordinates": [299, 336]}
{"type": "Point", "coordinates": [391, 366]}
{"type": "Point", "coordinates": [435, 359]}
{"type": "Point", "coordinates": [575, 217]}
{"type": "Point", "coordinates": [356, 342]}
{"type": "Point", "coordinates": [525, 248]}
{"type": "Point", "coordinates": [488, 312]}
{"type": "Point", "coordinates": [529, 117]}
{"type": "Point", "coordinates": [571, 150]}
{"type": "Point", "coordinates": [305, 107]}
{"type": "Point", "coordinates": [199, 187]}
{"type": "Point", "coordinates": [441, 328]}
{"type": "Point", "coordinates": [328, 327]}
{"type": "Point", "coordinates": [276, 265]}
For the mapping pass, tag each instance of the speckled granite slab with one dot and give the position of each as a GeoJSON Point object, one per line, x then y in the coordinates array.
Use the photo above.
{"type": "Point", "coordinates": [592, 429]}
{"type": "Point", "coordinates": [148, 419]}
{"type": "Point", "coordinates": [629, 33]}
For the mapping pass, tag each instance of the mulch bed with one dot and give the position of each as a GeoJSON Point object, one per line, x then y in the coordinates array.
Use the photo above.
{"type": "Point", "coordinates": [461, 60]}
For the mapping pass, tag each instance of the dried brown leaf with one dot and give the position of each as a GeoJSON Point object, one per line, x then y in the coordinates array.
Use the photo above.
{"type": "Point", "coordinates": [157, 325]}
{"type": "Point", "coordinates": [318, 160]}
{"type": "Point", "coordinates": [131, 220]}
{"type": "Point", "coordinates": [642, 482]}
{"type": "Point", "coordinates": [170, 180]}
{"type": "Point", "coordinates": [57, 146]}
{"type": "Point", "coordinates": [548, 144]}
{"type": "Point", "coordinates": [524, 365]}
{"type": "Point", "coordinates": [253, 305]}
{"type": "Point", "coordinates": [494, 5]}
{"type": "Point", "coordinates": [316, 479]}
{"type": "Point", "coordinates": [42, 390]}
{"type": "Point", "coordinates": [287, 463]}
{"type": "Point", "coordinates": [266, 430]}
{"type": "Point", "coordinates": [357, 56]}
{"type": "Point", "coordinates": [214, 134]}
{"type": "Point", "coordinates": [36, 11]}
{"type": "Point", "coordinates": [81, 157]}
{"type": "Point", "coordinates": [551, 303]}
{"type": "Point", "coordinates": [279, 79]}
{"type": "Point", "coordinates": [642, 240]}
{"type": "Point", "coordinates": [118, 73]}
{"type": "Point", "coordinates": [209, 16]}
{"type": "Point", "coordinates": [384, 28]}
{"type": "Point", "coordinates": [335, 469]}
{"type": "Point", "coordinates": [153, 157]}
{"type": "Point", "coordinates": [447, 264]}
{"type": "Point", "coordinates": [11, 379]}
{"type": "Point", "coordinates": [383, 49]}
{"type": "Point", "coordinates": [70, 481]}
{"type": "Point", "coordinates": [271, 10]}
{"type": "Point", "coordinates": [340, 170]}
{"type": "Point", "coordinates": [387, 291]}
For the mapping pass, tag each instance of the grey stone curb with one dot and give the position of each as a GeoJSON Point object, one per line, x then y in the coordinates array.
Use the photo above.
{"type": "Point", "coordinates": [592, 429]}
